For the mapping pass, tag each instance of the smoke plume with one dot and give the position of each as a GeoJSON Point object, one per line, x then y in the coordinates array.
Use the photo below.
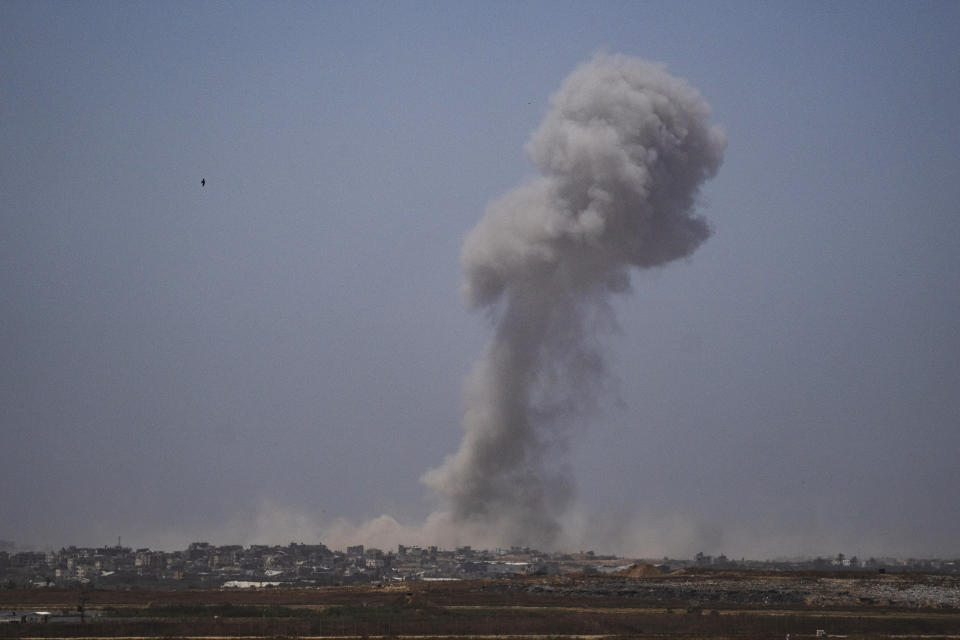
{"type": "Point", "coordinates": [623, 151]}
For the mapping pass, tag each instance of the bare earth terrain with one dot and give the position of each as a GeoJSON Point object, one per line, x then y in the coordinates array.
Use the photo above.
{"type": "Point", "coordinates": [705, 604]}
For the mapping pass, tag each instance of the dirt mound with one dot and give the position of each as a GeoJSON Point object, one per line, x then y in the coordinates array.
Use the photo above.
{"type": "Point", "coordinates": [641, 570]}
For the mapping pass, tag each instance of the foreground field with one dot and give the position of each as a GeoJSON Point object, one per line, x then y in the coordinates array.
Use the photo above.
{"type": "Point", "coordinates": [694, 605]}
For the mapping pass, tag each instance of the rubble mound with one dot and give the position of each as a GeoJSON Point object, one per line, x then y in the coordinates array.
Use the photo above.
{"type": "Point", "coordinates": [641, 570]}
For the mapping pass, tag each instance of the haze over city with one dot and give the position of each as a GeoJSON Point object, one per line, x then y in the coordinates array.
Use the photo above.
{"type": "Point", "coordinates": [647, 278]}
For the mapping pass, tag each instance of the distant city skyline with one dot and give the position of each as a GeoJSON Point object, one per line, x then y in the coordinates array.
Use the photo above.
{"type": "Point", "coordinates": [950, 564]}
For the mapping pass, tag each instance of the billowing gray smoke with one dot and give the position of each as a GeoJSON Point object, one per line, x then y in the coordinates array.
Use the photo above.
{"type": "Point", "coordinates": [623, 152]}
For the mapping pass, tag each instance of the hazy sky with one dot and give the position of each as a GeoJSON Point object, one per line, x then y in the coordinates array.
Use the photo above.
{"type": "Point", "coordinates": [280, 355]}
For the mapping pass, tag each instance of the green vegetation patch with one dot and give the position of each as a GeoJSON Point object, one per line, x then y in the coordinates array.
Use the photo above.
{"type": "Point", "coordinates": [225, 610]}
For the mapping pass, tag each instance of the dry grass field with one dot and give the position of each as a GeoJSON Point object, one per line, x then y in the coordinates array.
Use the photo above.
{"type": "Point", "coordinates": [678, 606]}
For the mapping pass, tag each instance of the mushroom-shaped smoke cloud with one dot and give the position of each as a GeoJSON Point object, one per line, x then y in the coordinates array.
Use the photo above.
{"type": "Point", "coordinates": [623, 152]}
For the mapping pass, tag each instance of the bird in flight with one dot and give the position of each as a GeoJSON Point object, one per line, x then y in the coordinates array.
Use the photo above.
{"type": "Point", "coordinates": [203, 182]}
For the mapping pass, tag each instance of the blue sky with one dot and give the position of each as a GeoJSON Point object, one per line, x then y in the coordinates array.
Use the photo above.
{"type": "Point", "coordinates": [179, 362]}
